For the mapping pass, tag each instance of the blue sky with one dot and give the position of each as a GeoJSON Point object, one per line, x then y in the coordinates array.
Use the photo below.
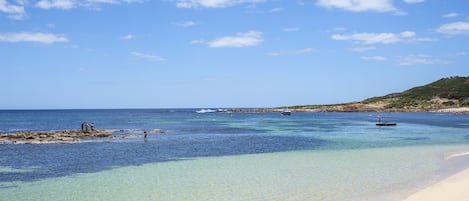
{"type": "Point", "coordinates": [224, 53]}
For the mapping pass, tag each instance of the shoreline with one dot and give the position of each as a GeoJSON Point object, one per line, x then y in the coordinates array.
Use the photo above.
{"type": "Point", "coordinates": [453, 187]}
{"type": "Point", "coordinates": [347, 108]}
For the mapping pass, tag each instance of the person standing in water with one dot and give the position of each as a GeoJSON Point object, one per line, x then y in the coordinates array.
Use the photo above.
{"type": "Point", "coordinates": [145, 135]}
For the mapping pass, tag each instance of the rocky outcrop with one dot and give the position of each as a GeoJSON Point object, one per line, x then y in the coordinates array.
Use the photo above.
{"type": "Point", "coordinates": [62, 137]}
{"type": "Point", "coordinates": [67, 136]}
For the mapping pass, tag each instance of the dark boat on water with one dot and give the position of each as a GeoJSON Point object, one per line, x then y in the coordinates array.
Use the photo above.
{"type": "Point", "coordinates": [286, 112]}
{"type": "Point", "coordinates": [384, 123]}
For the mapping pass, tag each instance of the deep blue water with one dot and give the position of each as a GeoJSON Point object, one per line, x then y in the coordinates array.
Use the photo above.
{"type": "Point", "coordinates": [206, 135]}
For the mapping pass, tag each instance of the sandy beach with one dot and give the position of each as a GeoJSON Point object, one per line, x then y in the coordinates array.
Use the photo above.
{"type": "Point", "coordinates": [454, 188]}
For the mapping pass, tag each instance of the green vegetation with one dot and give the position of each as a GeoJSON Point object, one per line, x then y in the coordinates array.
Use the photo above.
{"type": "Point", "coordinates": [449, 92]}
{"type": "Point", "coordinates": [454, 89]}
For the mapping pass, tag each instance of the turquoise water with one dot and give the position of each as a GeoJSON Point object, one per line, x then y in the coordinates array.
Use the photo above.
{"type": "Point", "coordinates": [221, 156]}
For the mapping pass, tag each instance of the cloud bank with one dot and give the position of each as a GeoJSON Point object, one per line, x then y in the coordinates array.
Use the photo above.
{"type": "Point", "coordinates": [380, 38]}
{"type": "Point", "coordinates": [32, 37]}
{"type": "Point", "coordinates": [359, 5]}
{"type": "Point", "coordinates": [213, 3]}
{"type": "Point", "coordinates": [16, 12]}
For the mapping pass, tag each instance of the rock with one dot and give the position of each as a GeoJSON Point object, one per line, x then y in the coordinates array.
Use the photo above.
{"type": "Point", "coordinates": [102, 135]}
{"type": "Point", "coordinates": [41, 137]}
{"type": "Point", "coordinates": [66, 139]}
{"type": "Point", "coordinates": [34, 142]}
{"type": "Point", "coordinates": [29, 137]}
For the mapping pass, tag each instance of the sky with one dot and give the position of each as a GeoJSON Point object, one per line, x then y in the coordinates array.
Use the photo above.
{"type": "Point", "coordinates": [88, 54]}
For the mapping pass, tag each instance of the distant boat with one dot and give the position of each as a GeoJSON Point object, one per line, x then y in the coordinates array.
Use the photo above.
{"type": "Point", "coordinates": [385, 123]}
{"type": "Point", "coordinates": [205, 111]}
{"type": "Point", "coordinates": [286, 112]}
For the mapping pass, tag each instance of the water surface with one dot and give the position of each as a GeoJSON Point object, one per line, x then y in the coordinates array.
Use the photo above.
{"type": "Point", "coordinates": [228, 156]}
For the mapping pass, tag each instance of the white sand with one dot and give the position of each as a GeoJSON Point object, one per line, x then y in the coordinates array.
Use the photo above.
{"type": "Point", "coordinates": [454, 188]}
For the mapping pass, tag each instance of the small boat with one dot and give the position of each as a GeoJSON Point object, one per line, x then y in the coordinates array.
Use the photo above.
{"type": "Point", "coordinates": [385, 123]}
{"type": "Point", "coordinates": [205, 111]}
{"type": "Point", "coordinates": [286, 112]}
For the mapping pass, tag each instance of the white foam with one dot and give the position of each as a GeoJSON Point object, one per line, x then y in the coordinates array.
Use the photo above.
{"type": "Point", "coordinates": [457, 155]}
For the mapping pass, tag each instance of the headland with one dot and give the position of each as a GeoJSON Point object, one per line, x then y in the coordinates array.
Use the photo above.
{"type": "Point", "coordinates": [445, 95]}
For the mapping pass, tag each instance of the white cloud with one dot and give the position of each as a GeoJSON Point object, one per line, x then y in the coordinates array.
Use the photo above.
{"type": "Point", "coordinates": [22, 2]}
{"type": "Point", "coordinates": [291, 29]}
{"type": "Point", "coordinates": [374, 58]}
{"type": "Point", "coordinates": [213, 3]}
{"type": "Point", "coordinates": [60, 4]}
{"type": "Point", "coordinates": [381, 38]}
{"type": "Point", "coordinates": [359, 5]}
{"type": "Point", "coordinates": [16, 12]}
{"type": "Point", "coordinates": [274, 10]}
{"type": "Point", "coordinates": [151, 57]}
{"type": "Point", "coordinates": [460, 54]}
{"type": "Point", "coordinates": [413, 1]}
{"type": "Point", "coordinates": [250, 38]}
{"type": "Point", "coordinates": [363, 49]}
{"type": "Point", "coordinates": [420, 60]}
{"type": "Point", "coordinates": [32, 37]}
{"type": "Point", "coordinates": [369, 38]}
{"type": "Point", "coordinates": [128, 37]}
{"type": "Point", "coordinates": [407, 34]}
{"type": "Point", "coordinates": [69, 4]}
{"type": "Point", "coordinates": [454, 28]}
{"type": "Point", "coordinates": [339, 29]}
{"type": "Point", "coordinates": [256, 11]}
{"type": "Point", "coordinates": [198, 41]}
{"type": "Point", "coordinates": [292, 52]}
{"type": "Point", "coordinates": [185, 24]}
{"type": "Point", "coordinates": [112, 1]}
{"type": "Point", "coordinates": [451, 15]}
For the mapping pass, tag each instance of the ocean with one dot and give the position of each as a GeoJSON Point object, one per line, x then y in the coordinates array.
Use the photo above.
{"type": "Point", "coordinates": [231, 156]}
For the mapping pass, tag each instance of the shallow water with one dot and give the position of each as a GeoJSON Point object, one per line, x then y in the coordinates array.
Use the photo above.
{"type": "Point", "coordinates": [222, 156]}
{"type": "Point", "coordinates": [299, 175]}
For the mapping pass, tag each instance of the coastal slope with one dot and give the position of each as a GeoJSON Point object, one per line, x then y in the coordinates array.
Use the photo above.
{"type": "Point", "coordinates": [445, 95]}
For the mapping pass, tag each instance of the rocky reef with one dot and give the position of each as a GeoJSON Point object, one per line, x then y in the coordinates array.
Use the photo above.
{"type": "Point", "coordinates": [62, 137]}
{"type": "Point", "coordinates": [65, 136]}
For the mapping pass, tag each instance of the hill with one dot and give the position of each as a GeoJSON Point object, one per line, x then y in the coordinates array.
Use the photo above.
{"type": "Point", "coordinates": [452, 92]}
